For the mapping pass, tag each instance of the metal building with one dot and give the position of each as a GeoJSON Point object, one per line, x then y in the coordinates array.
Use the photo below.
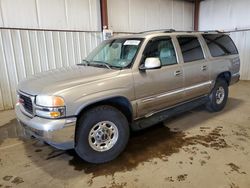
{"type": "Point", "coordinates": [39, 35]}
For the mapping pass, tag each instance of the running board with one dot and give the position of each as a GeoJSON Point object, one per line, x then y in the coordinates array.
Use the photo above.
{"type": "Point", "coordinates": [163, 115]}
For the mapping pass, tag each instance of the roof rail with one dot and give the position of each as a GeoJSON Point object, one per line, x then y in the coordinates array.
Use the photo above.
{"type": "Point", "coordinates": [207, 31]}
{"type": "Point", "coordinates": [213, 31]}
{"type": "Point", "coordinates": [173, 30]}
{"type": "Point", "coordinates": [159, 30]}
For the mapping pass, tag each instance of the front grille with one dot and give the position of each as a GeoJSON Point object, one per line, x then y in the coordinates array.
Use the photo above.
{"type": "Point", "coordinates": [27, 103]}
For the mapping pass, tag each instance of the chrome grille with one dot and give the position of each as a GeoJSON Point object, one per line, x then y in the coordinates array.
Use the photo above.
{"type": "Point", "coordinates": [27, 103]}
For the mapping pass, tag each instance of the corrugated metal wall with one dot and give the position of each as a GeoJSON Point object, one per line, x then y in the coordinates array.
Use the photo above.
{"type": "Point", "coordinates": [51, 14]}
{"type": "Point", "coordinates": [26, 52]}
{"type": "Point", "coordinates": [242, 41]}
{"type": "Point", "coordinates": [141, 15]}
{"type": "Point", "coordinates": [230, 15]}
{"type": "Point", "coordinates": [224, 14]}
{"type": "Point", "coordinates": [43, 43]}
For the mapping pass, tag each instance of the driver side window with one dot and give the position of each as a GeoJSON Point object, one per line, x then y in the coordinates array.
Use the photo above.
{"type": "Point", "coordinates": [163, 49]}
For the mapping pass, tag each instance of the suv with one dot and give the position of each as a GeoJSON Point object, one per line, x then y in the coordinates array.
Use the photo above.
{"type": "Point", "coordinates": [127, 83]}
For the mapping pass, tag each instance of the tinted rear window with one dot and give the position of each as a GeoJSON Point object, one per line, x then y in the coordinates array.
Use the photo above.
{"type": "Point", "coordinates": [220, 45]}
{"type": "Point", "coordinates": [190, 48]}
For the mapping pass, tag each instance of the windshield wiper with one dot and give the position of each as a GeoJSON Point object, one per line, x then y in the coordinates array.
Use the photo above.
{"type": "Point", "coordinates": [100, 63]}
{"type": "Point", "coordinates": [107, 64]}
{"type": "Point", "coordinates": [84, 62]}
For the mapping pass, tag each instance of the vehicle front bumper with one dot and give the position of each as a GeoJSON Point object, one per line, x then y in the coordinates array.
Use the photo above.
{"type": "Point", "coordinates": [59, 133]}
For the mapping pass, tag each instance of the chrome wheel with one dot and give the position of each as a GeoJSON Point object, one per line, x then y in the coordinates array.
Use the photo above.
{"type": "Point", "coordinates": [103, 136]}
{"type": "Point", "coordinates": [220, 95]}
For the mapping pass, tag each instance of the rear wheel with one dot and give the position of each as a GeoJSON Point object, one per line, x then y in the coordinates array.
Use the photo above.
{"type": "Point", "coordinates": [218, 96]}
{"type": "Point", "coordinates": [102, 134]}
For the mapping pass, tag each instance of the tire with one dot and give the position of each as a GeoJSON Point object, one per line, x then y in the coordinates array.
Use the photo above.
{"type": "Point", "coordinates": [218, 97]}
{"type": "Point", "coordinates": [96, 128]}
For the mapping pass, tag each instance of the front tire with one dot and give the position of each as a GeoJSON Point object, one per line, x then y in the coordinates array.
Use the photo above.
{"type": "Point", "coordinates": [218, 97]}
{"type": "Point", "coordinates": [102, 134]}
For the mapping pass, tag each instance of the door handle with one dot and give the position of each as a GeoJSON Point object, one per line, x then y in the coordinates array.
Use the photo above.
{"type": "Point", "coordinates": [177, 73]}
{"type": "Point", "coordinates": [204, 68]}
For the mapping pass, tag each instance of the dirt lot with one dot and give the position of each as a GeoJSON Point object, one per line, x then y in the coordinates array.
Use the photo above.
{"type": "Point", "coordinates": [195, 149]}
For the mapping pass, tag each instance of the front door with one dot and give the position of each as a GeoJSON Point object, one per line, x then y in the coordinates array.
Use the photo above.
{"type": "Point", "coordinates": [156, 89]}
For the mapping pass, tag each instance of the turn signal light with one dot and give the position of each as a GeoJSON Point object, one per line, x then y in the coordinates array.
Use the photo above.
{"type": "Point", "coordinates": [55, 114]}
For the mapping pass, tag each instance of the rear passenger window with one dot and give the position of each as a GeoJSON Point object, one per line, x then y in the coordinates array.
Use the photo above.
{"type": "Point", "coordinates": [163, 49]}
{"type": "Point", "coordinates": [190, 48]}
{"type": "Point", "coordinates": [220, 45]}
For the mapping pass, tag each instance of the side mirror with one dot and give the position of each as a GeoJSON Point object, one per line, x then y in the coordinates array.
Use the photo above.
{"type": "Point", "coordinates": [151, 63]}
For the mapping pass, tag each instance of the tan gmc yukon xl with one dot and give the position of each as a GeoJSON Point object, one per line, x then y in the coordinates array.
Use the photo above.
{"type": "Point", "coordinates": [127, 83]}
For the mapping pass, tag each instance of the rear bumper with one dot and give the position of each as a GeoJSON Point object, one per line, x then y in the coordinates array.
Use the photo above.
{"type": "Point", "coordinates": [59, 133]}
{"type": "Point", "coordinates": [235, 78]}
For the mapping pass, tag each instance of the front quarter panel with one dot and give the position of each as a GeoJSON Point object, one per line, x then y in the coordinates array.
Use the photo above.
{"type": "Point", "coordinates": [84, 95]}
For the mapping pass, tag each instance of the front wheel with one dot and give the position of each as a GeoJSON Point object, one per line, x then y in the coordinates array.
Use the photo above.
{"type": "Point", "coordinates": [218, 96]}
{"type": "Point", "coordinates": [102, 134]}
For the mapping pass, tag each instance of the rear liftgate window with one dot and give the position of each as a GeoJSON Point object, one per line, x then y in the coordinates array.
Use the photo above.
{"type": "Point", "coordinates": [190, 48]}
{"type": "Point", "coordinates": [220, 45]}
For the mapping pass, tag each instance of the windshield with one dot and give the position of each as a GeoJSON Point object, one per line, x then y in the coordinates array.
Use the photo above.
{"type": "Point", "coordinates": [118, 53]}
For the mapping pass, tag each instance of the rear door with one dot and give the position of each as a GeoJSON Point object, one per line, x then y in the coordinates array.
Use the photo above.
{"type": "Point", "coordinates": [195, 66]}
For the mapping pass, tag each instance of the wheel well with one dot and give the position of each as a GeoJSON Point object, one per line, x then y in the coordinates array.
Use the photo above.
{"type": "Point", "coordinates": [121, 103]}
{"type": "Point", "coordinates": [226, 76]}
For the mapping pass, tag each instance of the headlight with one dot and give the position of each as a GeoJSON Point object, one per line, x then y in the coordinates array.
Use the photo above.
{"type": "Point", "coordinates": [50, 106]}
{"type": "Point", "coordinates": [49, 101]}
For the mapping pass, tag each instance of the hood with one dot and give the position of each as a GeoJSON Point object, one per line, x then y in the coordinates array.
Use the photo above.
{"type": "Point", "coordinates": [53, 81]}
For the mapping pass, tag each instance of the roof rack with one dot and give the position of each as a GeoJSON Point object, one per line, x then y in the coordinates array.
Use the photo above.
{"type": "Point", "coordinates": [158, 30]}
{"type": "Point", "coordinates": [173, 30]}
{"type": "Point", "coordinates": [208, 31]}
{"type": "Point", "coordinates": [213, 31]}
